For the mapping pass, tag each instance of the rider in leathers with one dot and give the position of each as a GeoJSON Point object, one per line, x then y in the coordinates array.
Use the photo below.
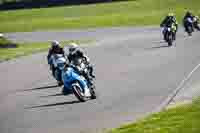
{"type": "Point", "coordinates": [167, 22]}
{"type": "Point", "coordinates": [187, 16]}
{"type": "Point", "coordinates": [55, 49]}
{"type": "Point", "coordinates": [76, 53]}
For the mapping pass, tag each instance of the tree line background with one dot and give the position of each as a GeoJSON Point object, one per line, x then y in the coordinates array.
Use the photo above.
{"type": "Point", "coordinates": [20, 4]}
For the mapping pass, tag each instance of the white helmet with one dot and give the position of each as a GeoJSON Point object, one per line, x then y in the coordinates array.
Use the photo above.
{"type": "Point", "coordinates": [72, 47]}
{"type": "Point", "coordinates": [55, 43]}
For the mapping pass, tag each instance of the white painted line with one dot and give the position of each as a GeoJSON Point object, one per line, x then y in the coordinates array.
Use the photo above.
{"type": "Point", "coordinates": [177, 90]}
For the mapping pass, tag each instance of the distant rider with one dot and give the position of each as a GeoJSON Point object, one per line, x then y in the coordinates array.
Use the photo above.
{"type": "Point", "coordinates": [188, 16]}
{"type": "Point", "coordinates": [196, 22]}
{"type": "Point", "coordinates": [55, 49]}
{"type": "Point", "coordinates": [169, 20]}
{"type": "Point", "coordinates": [76, 53]}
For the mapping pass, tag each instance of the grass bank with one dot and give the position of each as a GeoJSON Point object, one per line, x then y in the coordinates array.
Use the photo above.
{"type": "Point", "coordinates": [21, 50]}
{"type": "Point", "coordinates": [129, 13]}
{"type": "Point", "coordinates": [182, 119]}
{"type": "Point", "coordinates": [10, 50]}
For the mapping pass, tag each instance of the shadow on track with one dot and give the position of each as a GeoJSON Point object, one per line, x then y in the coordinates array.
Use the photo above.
{"type": "Point", "coordinates": [58, 94]}
{"type": "Point", "coordinates": [54, 104]}
{"type": "Point", "coordinates": [41, 88]}
{"type": "Point", "coordinates": [164, 46]}
{"type": "Point", "coordinates": [157, 47]}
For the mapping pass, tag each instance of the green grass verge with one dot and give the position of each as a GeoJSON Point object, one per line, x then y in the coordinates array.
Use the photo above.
{"type": "Point", "coordinates": [129, 13]}
{"type": "Point", "coordinates": [23, 49]}
{"type": "Point", "coordinates": [182, 119]}
{"type": "Point", "coordinates": [4, 42]}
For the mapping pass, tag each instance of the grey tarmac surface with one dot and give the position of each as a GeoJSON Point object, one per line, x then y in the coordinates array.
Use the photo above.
{"type": "Point", "coordinates": [135, 73]}
{"type": "Point", "coordinates": [89, 34]}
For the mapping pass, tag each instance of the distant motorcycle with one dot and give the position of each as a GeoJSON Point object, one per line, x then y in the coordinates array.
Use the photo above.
{"type": "Point", "coordinates": [188, 24]}
{"type": "Point", "coordinates": [196, 23]}
{"type": "Point", "coordinates": [76, 83]}
{"type": "Point", "coordinates": [57, 66]}
{"type": "Point", "coordinates": [169, 34]}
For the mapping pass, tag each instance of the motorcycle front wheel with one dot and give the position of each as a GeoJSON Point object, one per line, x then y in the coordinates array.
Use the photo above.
{"type": "Point", "coordinates": [170, 39]}
{"type": "Point", "coordinates": [78, 92]}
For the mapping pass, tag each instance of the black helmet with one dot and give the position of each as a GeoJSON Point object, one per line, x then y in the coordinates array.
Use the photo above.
{"type": "Point", "coordinates": [188, 13]}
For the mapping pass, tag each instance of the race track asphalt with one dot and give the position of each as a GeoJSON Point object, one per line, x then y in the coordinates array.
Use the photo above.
{"type": "Point", "coordinates": [135, 73]}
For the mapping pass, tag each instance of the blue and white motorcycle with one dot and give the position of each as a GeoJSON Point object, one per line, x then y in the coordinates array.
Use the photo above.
{"type": "Point", "coordinates": [75, 82]}
{"type": "Point", "coordinates": [58, 62]}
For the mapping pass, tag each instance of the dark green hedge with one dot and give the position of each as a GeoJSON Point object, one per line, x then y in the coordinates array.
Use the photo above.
{"type": "Point", "coordinates": [19, 4]}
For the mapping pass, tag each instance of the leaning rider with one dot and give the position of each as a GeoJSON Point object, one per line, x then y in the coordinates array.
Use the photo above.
{"type": "Point", "coordinates": [188, 16]}
{"type": "Point", "coordinates": [76, 53]}
{"type": "Point", "coordinates": [54, 49]}
{"type": "Point", "coordinates": [170, 20]}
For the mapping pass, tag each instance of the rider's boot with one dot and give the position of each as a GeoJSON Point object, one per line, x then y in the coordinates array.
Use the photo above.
{"type": "Point", "coordinates": [92, 75]}
{"type": "Point", "coordinates": [91, 71]}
